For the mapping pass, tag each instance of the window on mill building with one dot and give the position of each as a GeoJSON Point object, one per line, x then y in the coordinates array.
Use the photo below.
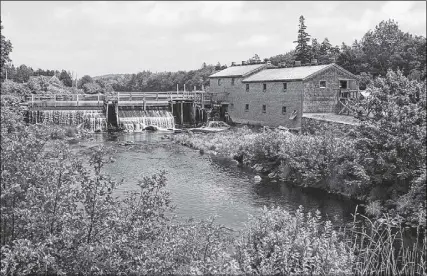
{"type": "Point", "coordinates": [322, 84]}
{"type": "Point", "coordinates": [283, 109]}
{"type": "Point", "coordinates": [285, 86]}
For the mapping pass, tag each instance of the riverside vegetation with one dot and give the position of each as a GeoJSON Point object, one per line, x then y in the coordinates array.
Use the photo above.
{"type": "Point", "coordinates": [60, 217]}
{"type": "Point", "coordinates": [381, 162]}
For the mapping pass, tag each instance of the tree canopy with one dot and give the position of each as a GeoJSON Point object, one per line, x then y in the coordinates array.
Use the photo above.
{"type": "Point", "coordinates": [6, 48]}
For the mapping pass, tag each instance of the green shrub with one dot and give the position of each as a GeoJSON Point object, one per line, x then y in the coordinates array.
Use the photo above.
{"type": "Point", "coordinates": [302, 244]}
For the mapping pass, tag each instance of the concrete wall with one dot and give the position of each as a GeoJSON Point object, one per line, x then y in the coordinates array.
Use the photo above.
{"type": "Point", "coordinates": [323, 100]}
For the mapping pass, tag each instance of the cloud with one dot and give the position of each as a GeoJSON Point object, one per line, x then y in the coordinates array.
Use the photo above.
{"type": "Point", "coordinates": [197, 37]}
{"type": "Point", "coordinates": [255, 41]}
{"type": "Point", "coordinates": [227, 12]}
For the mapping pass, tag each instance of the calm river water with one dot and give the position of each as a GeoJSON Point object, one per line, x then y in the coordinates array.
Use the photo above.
{"type": "Point", "coordinates": [203, 185]}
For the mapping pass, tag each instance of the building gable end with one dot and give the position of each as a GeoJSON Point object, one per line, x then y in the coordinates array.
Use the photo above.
{"type": "Point", "coordinates": [339, 68]}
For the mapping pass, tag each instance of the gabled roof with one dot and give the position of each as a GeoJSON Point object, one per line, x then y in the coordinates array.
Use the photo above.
{"type": "Point", "coordinates": [238, 71]}
{"type": "Point", "coordinates": [292, 73]}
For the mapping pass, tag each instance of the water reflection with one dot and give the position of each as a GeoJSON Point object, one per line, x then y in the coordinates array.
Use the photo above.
{"type": "Point", "coordinates": [203, 186]}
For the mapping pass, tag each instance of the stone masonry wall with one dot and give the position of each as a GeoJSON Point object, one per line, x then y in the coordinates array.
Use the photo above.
{"type": "Point", "coordinates": [274, 98]}
{"type": "Point", "coordinates": [323, 100]}
{"type": "Point", "coordinates": [226, 85]}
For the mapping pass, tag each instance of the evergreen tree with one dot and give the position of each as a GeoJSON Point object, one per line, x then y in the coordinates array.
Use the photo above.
{"type": "Point", "coordinates": [325, 47]}
{"type": "Point", "coordinates": [302, 48]}
{"type": "Point", "coordinates": [65, 78]}
{"type": "Point", "coordinates": [315, 49]}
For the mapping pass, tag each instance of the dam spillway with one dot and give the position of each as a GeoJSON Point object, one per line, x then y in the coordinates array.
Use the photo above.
{"type": "Point", "coordinates": [128, 111]}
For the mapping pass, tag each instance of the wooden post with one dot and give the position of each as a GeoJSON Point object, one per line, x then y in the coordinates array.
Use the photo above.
{"type": "Point", "coordinates": [194, 112]}
{"type": "Point", "coordinates": [98, 100]}
{"type": "Point", "coordinates": [117, 114]}
{"type": "Point", "coordinates": [157, 97]}
{"type": "Point", "coordinates": [118, 98]}
{"type": "Point", "coordinates": [54, 99]}
{"type": "Point", "coordinates": [172, 108]}
{"type": "Point", "coordinates": [203, 101]}
{"type": "Point", "coordinates": [177, 87]}
{"type": "Point", "coordinates": [145, 104]}
{"type": "Point", "coordinates": [32, 100]}
{"type": "Point", "coordinates": [182, 112]}
{"type": "Point", "coordinates": [77, 99]}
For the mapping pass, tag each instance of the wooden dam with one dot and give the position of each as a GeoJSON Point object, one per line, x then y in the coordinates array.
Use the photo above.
{"type": "Point", "coordinates": [122, 109]}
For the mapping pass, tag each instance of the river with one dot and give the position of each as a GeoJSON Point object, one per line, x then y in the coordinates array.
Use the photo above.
{"type": "Point", "coordinates": [202, 185]}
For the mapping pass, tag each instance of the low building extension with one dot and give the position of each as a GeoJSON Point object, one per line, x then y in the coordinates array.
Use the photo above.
{"type": "Point", "coordinates": [261, 94]}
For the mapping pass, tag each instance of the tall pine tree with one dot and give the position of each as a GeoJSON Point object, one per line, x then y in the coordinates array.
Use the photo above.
{"type": "Point", "coordinates": [302, 49]}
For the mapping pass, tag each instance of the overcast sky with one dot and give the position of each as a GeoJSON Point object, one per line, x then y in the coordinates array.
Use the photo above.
{"type": "Point", "coordinates": [99, 38]}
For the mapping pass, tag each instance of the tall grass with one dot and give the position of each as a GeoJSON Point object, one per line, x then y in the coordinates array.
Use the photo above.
{"type": "Point", "coordinates": [379, 247]}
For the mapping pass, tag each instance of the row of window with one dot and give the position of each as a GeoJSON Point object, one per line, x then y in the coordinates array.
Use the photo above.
{"type": "Point", "coordinates": [264, 87]}
{"type": "Point", "coordinates": [264, 108]}
{"type": "Point", "coordinates": [322, 84]}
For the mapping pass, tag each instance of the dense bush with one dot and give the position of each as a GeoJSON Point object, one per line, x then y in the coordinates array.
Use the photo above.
{"type": "Point", "coordinates": [324, 162]}
{"type": "Point", "coordinates": [301, 244]}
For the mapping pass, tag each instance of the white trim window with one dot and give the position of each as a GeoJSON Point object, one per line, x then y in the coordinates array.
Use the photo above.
{"type": "Point", "coordinates": [219, 82]}
{"type": "Point", "coordinates": [285, 86]}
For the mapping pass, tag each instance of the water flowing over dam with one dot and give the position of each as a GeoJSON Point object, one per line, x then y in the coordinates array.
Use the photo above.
{"type": "Point", "coordinates": [93, 120]}
{"type": "Point", "coordinates": [128, 111]}
{"type": "Point", "coordinates": [137, 120]}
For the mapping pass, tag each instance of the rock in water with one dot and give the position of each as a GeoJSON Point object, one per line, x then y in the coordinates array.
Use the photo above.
{"type": "Point", "coordinates": [257, 178]}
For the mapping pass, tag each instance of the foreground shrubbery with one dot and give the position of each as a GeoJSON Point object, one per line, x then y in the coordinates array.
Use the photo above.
{"type": "Point", "coordinates": [68, 221]}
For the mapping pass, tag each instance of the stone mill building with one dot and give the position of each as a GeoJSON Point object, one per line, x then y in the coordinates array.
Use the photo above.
{"type": "Point", "coordinates": [263, 94]}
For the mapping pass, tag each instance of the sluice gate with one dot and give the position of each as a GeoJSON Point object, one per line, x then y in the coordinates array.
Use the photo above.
{"type": "Point", "coordinates": [129, 111]}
